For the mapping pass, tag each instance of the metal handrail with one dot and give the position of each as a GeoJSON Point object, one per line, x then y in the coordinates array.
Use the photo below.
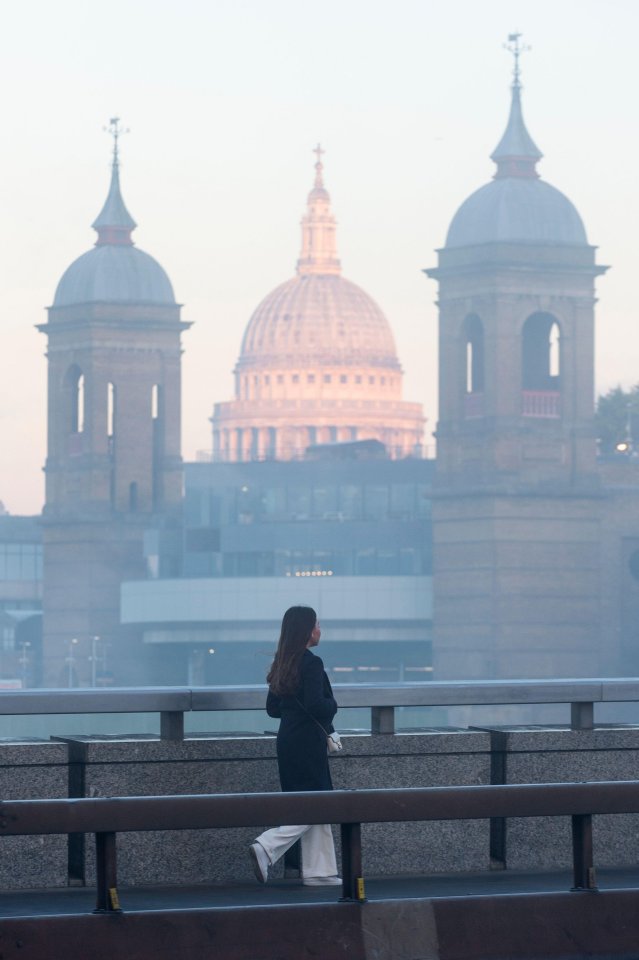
{"type": "Point", "coordinates": [105, 817]}
{"type": "Point", "coordinates": [173, 702]}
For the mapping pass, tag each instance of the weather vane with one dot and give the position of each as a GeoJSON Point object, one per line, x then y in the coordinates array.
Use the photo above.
{"type": "Point", "coordinates": [513, 46]}
{"type": "Point", "coordinates": [116, 131]}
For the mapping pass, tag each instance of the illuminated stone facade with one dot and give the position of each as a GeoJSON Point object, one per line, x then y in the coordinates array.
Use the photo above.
{"type": "Point", "coordinates": [318, 363]}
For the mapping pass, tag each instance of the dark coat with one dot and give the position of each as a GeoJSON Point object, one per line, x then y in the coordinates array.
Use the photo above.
{"type": "Point", "coordinates": [301, 744]}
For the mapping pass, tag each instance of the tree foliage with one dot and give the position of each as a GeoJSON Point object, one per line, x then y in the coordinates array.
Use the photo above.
{"type": "Point", "coordinates": [617, 419]}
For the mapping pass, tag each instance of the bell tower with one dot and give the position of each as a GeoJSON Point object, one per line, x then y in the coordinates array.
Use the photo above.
{"type": "Point", "coordinates": [113, 458]}
{"type": "Point", "coordinates": [516, 506]}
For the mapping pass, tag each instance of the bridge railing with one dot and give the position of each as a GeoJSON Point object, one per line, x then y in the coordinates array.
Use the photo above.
{"type": "Point", "coordinates": [172, 703]}
{"type": "Point", "coordinates": [106, 817]}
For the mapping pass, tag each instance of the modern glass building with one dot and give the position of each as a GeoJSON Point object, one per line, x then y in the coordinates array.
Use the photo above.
{"type": "Point", "coordinates": [346, 530]}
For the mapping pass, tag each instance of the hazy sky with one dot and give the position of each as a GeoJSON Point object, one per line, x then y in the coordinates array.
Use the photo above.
{"type": "Point", "coordinates": [225, 99]}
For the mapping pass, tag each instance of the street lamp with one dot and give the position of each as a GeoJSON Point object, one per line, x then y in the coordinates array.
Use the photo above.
{"type": "Point", "coordinates": [23, 660]}
{"type": "Point", "coordinates": [71, 659]}
{"type": "Point", "coordinates": [94, 660]}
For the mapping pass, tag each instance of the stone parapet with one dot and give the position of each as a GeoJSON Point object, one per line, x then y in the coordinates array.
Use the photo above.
{"type": "Point", "coordinates": [529, 754]}
{"type": "Point", "coordinates": [141, 766]}
{"type": "Point", "coordinates": [147, 766]}
{"type": "Point", "coordinates": [33, 770]}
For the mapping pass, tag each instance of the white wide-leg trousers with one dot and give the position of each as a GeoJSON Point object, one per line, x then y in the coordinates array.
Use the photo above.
{"type": "Point", "coordinates": [318, 849]}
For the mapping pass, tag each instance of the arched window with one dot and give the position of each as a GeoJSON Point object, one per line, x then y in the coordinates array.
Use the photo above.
{"type": "Point", "coordinates": [111, 437]}
{"type": "Point", "coordinates": [541, 366]}
{"type": "Point", "coordinates": [554, 364]}
{"type": "Point", "coordinates": [541, 353]}
{"type": "Point", "coordinates": [74, 382]}
{"type": "Point", "coordinates": [473, 366]}
{"type": "Point", "coordinates": [158, 443]}
{"type": "Point", "coordinates": [110, 411]}
{"type": "Point", "coordinates": [474, 354]}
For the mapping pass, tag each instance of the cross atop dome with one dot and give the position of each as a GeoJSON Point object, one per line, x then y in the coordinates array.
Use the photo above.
{"type": "Point", "coordinates": [114, 223]}
{"type": "Point", "coordinates": [319, 166]}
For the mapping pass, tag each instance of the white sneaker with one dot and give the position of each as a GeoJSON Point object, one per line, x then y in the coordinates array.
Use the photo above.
{"type": "Point", "coordinates": [260, 861]}
{"type": "Point", "coordinates": [322, 881]}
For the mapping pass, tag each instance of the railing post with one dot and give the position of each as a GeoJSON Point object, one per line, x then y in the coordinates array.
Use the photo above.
{"type": "Point", "coordinates": [352, 879]}
{"type": "Point", "coordinates": [582, 716]}
{"type": "Point", "coordinates": [582, 858]}
{"type": "Point", "coordinates": [107, 900]}
{"type": "Point", "coordinates": [171, 725]}
{"type": "Point", "coordinates": [382, 719]}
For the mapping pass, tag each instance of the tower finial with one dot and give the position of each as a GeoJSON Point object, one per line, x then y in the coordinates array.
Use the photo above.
{"type": "Point", "coordinates": [513, 46]}
{"type": "Point", "coordinates": [116, 132]}
{"type": "Point", "coordinates": [319, 166]}
{"type": "Point", "coordinates": [319, 252]}
{"type": "Point", "coordinates": [516, 154]}
{"type": "Point", "coordinates": [114, 223]}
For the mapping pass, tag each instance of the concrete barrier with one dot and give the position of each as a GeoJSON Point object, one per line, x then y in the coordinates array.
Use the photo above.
{"type": "Point", "coordinates": [31, 770]}
{"type": "Point", "coordinates": [143, 765]}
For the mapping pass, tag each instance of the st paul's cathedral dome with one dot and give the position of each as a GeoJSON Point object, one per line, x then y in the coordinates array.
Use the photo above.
{"type": "Point", "coordinates": [318, 362]}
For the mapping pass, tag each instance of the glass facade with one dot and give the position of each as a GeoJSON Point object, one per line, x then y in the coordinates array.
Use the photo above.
{"type": "Point", "coordinates": [20, 561]}
{"type": "Point", "coordinates": [319, 518]}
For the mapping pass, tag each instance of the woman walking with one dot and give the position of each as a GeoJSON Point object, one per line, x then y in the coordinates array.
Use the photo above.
{"type": "Point", "coordinates": [300, 696]}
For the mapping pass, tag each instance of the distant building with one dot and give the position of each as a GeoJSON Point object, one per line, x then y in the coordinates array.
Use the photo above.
{"type": "Point", "coordinates": [20, 600]}
{"type": "Point", "coordinates": [345, 533]}
{"type": "Point", "coordinates": [113, 442]}
{"type": "Point", "coordinates": [317, 492]}
{"type": "Point", "coordinates": [354, 516]}
{"type": "Point", "coordinates": [518, 499]}
{"type": "Point", "coordinates": [318, 363]}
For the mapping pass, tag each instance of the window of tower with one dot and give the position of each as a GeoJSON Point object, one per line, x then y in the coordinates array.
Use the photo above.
{"type": "Point", "coordinates": [74, 384]}
{"type": "Point", "coordinates": [541, 366]}
{"type": "Point", "coordinates": [474, 354]}
{"type": "Point", "coordinates": [157, 410]}
{"type": "Point", "coordinates": [473, 370]}
{"type": "Point", "coordinates": [110, 410]}
{"type": "Point", "coordinates": [80, 405]}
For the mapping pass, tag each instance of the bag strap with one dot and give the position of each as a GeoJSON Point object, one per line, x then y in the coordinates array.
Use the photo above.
{"type": "Point", "coordinates": [325, 732]}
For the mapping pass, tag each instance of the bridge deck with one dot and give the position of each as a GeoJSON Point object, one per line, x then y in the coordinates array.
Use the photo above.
{"type": "Point", "coordinates": [81, 900]}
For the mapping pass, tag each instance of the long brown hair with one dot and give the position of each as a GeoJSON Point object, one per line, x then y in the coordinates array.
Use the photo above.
{"type": "Point", "coordinates": [298, 624]}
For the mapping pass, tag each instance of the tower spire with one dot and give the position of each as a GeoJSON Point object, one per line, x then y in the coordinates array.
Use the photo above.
{"type": "Point", "coordinates": [114, 223]}
{"type": "Point", "coordinates": [516, 154]}
{"type": "Point", "coordinates": [319, 248]}
{"type": "Point", "coordinates": [516, 50]}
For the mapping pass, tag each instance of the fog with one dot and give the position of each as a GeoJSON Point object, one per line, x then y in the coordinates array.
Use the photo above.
{"type": "Point", "coordinates": [221, 106]}
{"type": "Point", "coordinates": [225, 101]}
